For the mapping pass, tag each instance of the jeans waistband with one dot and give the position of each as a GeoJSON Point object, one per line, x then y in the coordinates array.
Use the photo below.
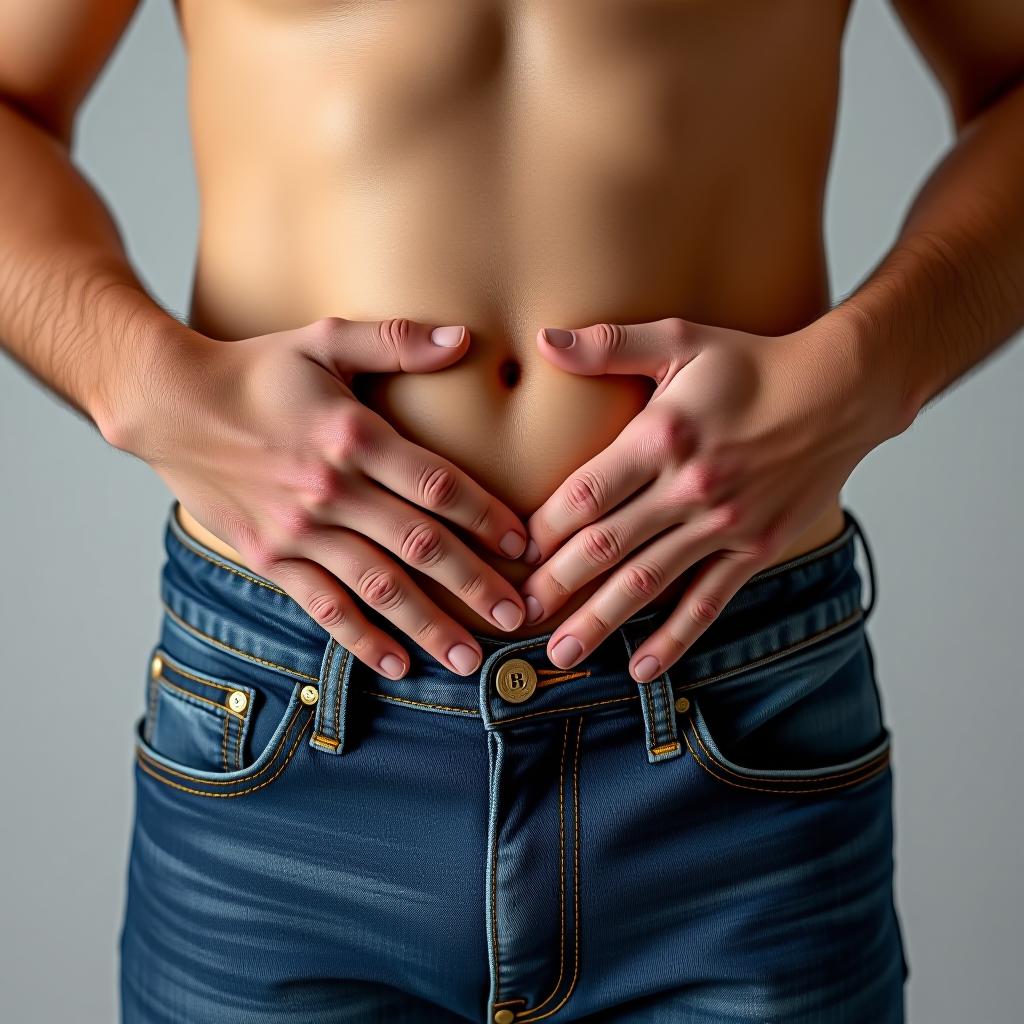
{"type": "Point", "coordinates": [778, 611]}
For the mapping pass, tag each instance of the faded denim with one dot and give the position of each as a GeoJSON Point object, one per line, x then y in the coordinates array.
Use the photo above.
{"type": "Point", "coordinates": [316, 843]}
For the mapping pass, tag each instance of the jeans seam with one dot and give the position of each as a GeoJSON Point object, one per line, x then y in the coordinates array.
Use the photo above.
{"type": "Point", "coordinates": [781, 786]}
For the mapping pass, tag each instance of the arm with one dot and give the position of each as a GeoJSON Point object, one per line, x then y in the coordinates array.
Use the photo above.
{"type": "Point", "coordinates": [218, 421]}
{"type": "Point", "coordinates": [950, 292]}
{"type": "Point", "coordinates": [72, 311]}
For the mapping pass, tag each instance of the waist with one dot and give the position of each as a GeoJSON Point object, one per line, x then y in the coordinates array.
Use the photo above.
{"type": "Point", "coordinates": [219, 604]}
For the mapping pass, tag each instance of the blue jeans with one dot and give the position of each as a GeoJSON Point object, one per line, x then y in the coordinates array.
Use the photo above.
{"type": "Point", "coordinates": [314, 842]}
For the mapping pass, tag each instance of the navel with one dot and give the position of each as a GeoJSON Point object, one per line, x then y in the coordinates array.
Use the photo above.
{"type": "Point", "coordinates": [509, 372]}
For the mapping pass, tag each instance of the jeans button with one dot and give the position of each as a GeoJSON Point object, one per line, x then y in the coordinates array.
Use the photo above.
{"type": "Point", "coordinates": [237, 701]}
{"type": "Point", "coordinates": [156, 666]}
{"type": "Point", "coordinates": [516, 680]}
{"type": "Point", "coordinates": [504, 1017]}
{"type": "Point", "coordinates": [309, 695]}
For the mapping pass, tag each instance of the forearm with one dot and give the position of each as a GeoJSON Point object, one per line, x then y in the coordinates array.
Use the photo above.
{"type": "Point", "coordinates": [72, 311]}
{"type": "Point", "coordinates": [950, 292]}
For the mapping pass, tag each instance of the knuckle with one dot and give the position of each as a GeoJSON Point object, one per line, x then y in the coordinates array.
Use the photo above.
{"type": "Point", "coordinates": [327, 328]}
{"type": "Point", "coordinates": [642, 581]}
{"type": "Point", "coordinates": [583, 494]}
{"type": "Point", "coordinates": [598, 625]}
{"type": "Point", "coordinates": [380, 588]}
{"type": "Point", "coordinates": [425, 633]}
{"type": "Point", "coordinates": [438, 487]}
{"type": "Point", "coordinates": [420, 544]}
{"type": "Point", "coordinates": [705, 609]}
{"type": "Point", "coordinates": [677, 330]}
{"type": "Point", "coordinates": [608, 338]}
{"type": "Point", "coordinates": [322, 487]}
{"type": "Point", "coordinates": [328, 611]}
{"type": "Point", "coordinates": [601, 545]}
{"type": "Point", "coordinates": [393, 333]}
{"type": "Point", "coordinates": [704, 481]}
{"type": "Point", "coordinates": [671, 433]}
{"type": "Point", "coordinates": [472, 586]}
{"type": "Point", "coordinates": [351, 434]}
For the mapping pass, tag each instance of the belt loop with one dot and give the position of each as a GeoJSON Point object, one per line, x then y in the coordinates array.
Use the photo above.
{"type": "Point", "coordinates": [332, 707]}
{"type": "Point", "coordinates": [659, 710]}
{"type": "Point", "coordinates": [870, 562]}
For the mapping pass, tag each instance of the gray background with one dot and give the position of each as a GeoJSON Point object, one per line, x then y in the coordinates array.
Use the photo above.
{"type": "Point", "coordinates": [81, 528]}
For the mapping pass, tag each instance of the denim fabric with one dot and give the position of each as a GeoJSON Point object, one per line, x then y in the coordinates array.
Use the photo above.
{"type": "Point", "coordinates": [314, 842]}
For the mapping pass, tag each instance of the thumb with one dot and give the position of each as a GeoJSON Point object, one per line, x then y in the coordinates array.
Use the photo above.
{"type": "Point", "coordinates": [649, 350]}
{"type": "Point", "coordinates": [381, 346]}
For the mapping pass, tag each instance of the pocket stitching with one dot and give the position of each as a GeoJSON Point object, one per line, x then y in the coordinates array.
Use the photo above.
{"type": "Point", "coordinates": [811, 784]}
{"type": "Point", "coordinates": [142, 757]}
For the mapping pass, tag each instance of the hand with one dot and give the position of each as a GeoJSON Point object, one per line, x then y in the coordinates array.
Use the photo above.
{"type": "Point", "coordinates": [742, 445]}
{"type": "Point", "coordinates": [265, 444]}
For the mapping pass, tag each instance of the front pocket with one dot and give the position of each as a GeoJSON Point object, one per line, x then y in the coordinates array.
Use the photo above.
{"type": "Point", "coordinates": [199, 721]}
{"type": "Point", "coordinates": [196, 734]}
{"type": "Point", "coordinates": [809, 722]}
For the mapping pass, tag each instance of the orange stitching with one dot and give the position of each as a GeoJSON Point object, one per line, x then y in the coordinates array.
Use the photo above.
{"type": "Point", "coordinates": [665, 748]}
{"type": "Point", "coordinates": [561, 878]}
{"type": "Point", "coordinates": [238, 747]}
{"type": "Point", "coordinates": [188, 675]}
{"type": "Point", "coordinates": [739, 775]}
{"type": "Point", "coordinates": [507, 1002]}
{"type": "Point", "coordinates": [494, 888]}
{"type": "Point", "coordinates": [228, 782]}
{"type": "Point", "coordinates": [766, 659]}
{"type": "Point", "coordinates": [224, 745]}
{"type": "Point", "coordinates": [195, 696]}
{"type": "Point", "coordinates": [234, 650]}
{"type": "Point", "coordinates": [419, 703]}
{"type": "Point", "coordinates": [240, 792]}
{"type": "Point", "coordinates": [763, 789]}
{"type": "Point", "coordinates": [181, 535]}
{"type": "Point", "coordinates": [562, 678]}
{"type": "Point", "coordinates": [319, 737]}
{"type": "Point", "coordinates": [575, 881]}
{"type": "Point", "coordinates": [332, 650]}
{"type": "Point", "coordinates": [572, 707]}
{"type": "Point", "coordinates": [337, 694]}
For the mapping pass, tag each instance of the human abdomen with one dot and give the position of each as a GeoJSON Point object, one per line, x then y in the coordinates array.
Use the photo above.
{"type": "Point", "coordinates": [510, 167]}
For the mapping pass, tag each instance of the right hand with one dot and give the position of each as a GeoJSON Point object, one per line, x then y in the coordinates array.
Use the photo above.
{"type": "Point", "coordinates": [267, 447]}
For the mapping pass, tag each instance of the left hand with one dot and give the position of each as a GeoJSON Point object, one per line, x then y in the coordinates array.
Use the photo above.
{"type": "Point", "coordinates": [742, 445]}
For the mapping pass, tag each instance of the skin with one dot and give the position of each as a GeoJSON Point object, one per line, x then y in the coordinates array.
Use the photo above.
{"type": "Point", "coordinates": [646, 174]}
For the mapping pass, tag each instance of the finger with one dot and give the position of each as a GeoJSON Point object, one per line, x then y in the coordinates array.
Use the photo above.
{"type": "Point", "coordinates": [713, 588]}
{"type": "Point", "coordinates": [633, 459]}
{"type": "Point", "coordinates": [596, 549]}
{"type": "Point", "coordinates": [381, 346]}
{"type": "Point", "coordinates": [427, 545]}
{"type": "Point", "coordinates": [631, 588]}
{"type": "Point", "coordinates": [321, 597]}
{"type": "Point", "coordinates": [432, 482]}
{"type": "Point", "coordinates": [341, 555]}
{"type": "Point", "coordinates": [651, 350]}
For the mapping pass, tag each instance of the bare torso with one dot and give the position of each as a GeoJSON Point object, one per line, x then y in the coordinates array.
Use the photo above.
{"type": "Point", "coordinates": [511, 164]}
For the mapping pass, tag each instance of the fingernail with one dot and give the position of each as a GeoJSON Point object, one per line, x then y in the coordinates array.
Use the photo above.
{"type": "Point", "coordinates": [391, 666]}
{"type": "Point", "coordinates": [512, 544]}
{"type": "Point", "coordinates": [532, 553]}
{"type": "Point", "coordinates": [647, 667]}
{"type": "Point", "coordinates": [566, 651]}
{"type": "Point", "coordinates": [558, 338]}
{"type": "Point", "coordinates": [507, 614]}
{"type": "Point", "coordinates": [464, 658]}
{"type": "Point", "coordinates": [533, 608]}
{"type": "Point", "coordinates": [447, 337]}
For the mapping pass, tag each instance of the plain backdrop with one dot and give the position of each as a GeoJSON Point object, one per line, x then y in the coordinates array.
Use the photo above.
{"type": "Point", "coordinates": [81, 531]}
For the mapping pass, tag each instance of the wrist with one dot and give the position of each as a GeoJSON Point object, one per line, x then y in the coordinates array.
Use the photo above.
{"type": "Point", "coordinates": [877, 405]}
{"type": "Point", "coordinates": [147, 398]}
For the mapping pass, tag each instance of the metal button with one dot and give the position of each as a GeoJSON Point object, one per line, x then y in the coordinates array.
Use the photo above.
{"type": "Point", "coordinates": [504, 1017]}
{"type": "Point", "coordinates": [682, 704]}
{"type": "Point", "coordinates": [238, 701]}
{"type": "Point", "coordinates": [516, 681]}
{"type": "Point", "coordinates": [309, 695]}
{"type": "Point", "coordinates": [156, 666]}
